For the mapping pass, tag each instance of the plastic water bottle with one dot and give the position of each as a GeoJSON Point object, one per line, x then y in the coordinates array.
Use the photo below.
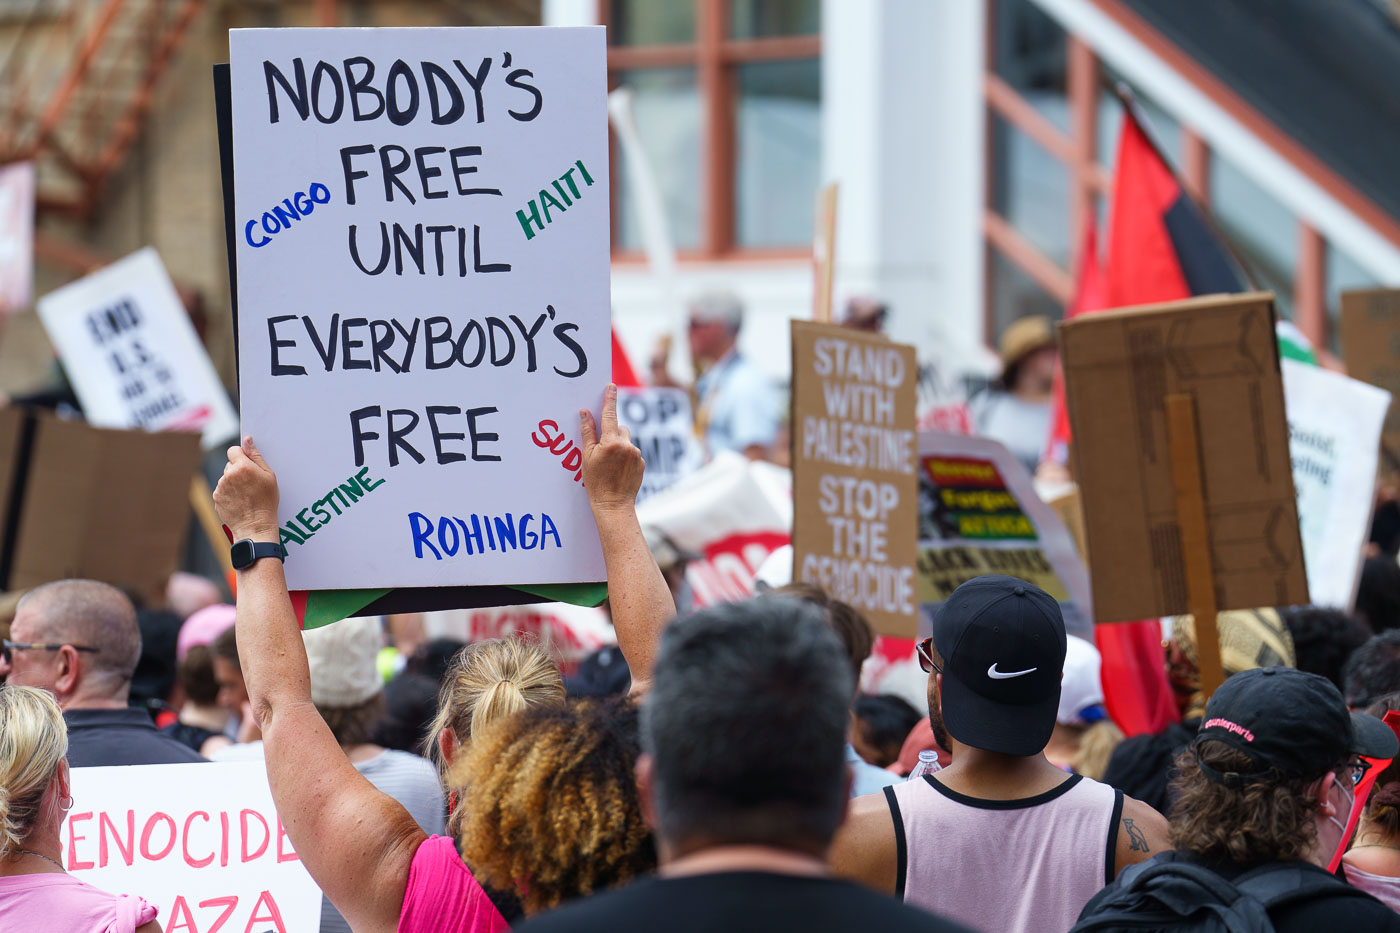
{"type": "Point", "coordinates": [928, 764]}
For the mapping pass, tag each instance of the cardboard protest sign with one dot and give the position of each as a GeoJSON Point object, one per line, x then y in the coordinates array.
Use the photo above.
{"type": "Point", "coordinates": [1334, 432]}
{"type": "Point", "coordinates": [91, 502]}
{"type": "Point", "coordinates": [979, 514]}
{"type": "Point", "coordinates": [201, 842]}
{"type": "Point", "coordinates": [662, 427]}
{"type": "Point", "coordinates": [16, 236]}
{"type": "Point", "coordinates": [854, 482]}
{"type": "Point", "coordinates": [422, 263]}
{"type": "Point", "coordinates": [1119, 367]}
{"type": "Point", "coordinates": [729, 515]}
{"type": "Point", "coordinates": [1371, 347]}
{"type": "Point", "coordinates": [132, 354]}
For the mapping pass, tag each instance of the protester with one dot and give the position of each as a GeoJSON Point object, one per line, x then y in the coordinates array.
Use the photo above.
{"type": "Point", "coordinates": [233, 689]}
{"type": "Point", "coordinates": [1373, 861]}
{"type": "Point", "coordinates": [743, 779]}
{"type": "Point", "coordinates": [1378, 593]}
{"type": "Point", "coordinates": [1373, 670]}
{"type": "Point", "coordinates": [882, 723]}
{"type": "Point", "coordinates": [203, 627]}
{"type": "Point", "coordinates": [410, 705]}
{"type": "Point", "coordinates": [1001, 839]}
{"type": "Point", "coordinates": [35, 892]}
{"type": "Point", "coordinates": [1015, 410]}
{"type": "Point", "coordinates": [1262, 801]}
{"type": "Point", "coordinates": [363, 849]}
{"type": "Point", "coordinates": [1084, 736]}
{"type": "Point", "coordinates": [1141, 766]}
{"type": "Point", "coordinates": [485, 682]}
{"type": "Point", "coordinates": [581, 829]}
{"type": "Point", "coordinates": [737, 408]}
{"type": "Point", "coordinates": [1323, 639]}
{"type": "Point", "coordinates": [201, 721]}
{"type": "Point", "coordinates": [79, 640]}
{"type": "Point", "coordinates": [153, 681]}
{"type": "Point", "coordinates": [857, 637]}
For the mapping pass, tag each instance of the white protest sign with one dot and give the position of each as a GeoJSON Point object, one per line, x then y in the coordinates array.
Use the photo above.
{"type": "Point", "coordinates": [16, 236]}
{"type": "Point", "coordinates": [662, 427]}
{"type": "Point", "coordinates": [201, 842]}
{"type": "Point", "coordinates": [1334, 435]}
{"type": "Point", "coordinates": [730, 514]}
{"type": "Point", "coordinates": [423, 283]}
{"type": "Point", "coordinates": [132, 355]}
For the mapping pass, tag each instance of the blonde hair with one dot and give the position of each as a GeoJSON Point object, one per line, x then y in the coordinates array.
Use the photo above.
{"type": "Point", "coordinates": [33, 740]}
{"type": "Point", "coordinates": [1096, 745]}
{"type": "Point", "coordinates": [488, 681]}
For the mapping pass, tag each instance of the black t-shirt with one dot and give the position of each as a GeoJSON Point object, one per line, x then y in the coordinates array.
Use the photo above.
{"type": "Point", "coordinates": [1344, 912]}
{"type": "Point", "coordinates": [739, 902]}
{"type": "Point", "coordinates": [98, 737]}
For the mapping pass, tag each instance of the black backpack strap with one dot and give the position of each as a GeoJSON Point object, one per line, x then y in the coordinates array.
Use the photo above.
{"type": "Point", "coordinates": [1280, 883]}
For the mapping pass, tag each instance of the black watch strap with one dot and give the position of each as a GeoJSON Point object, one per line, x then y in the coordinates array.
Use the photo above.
{"type": "Point", "coordinates": [247, 552]}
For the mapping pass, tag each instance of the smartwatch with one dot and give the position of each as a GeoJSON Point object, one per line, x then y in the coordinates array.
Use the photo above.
{"type": "Point", "coordinates": [247, 552]}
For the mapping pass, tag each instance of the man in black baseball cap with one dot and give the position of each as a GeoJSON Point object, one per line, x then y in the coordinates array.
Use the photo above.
{"type": "Point", "coordinates": [1001, 839]}
{"type": "Point", "coordinates": [1261, 814]}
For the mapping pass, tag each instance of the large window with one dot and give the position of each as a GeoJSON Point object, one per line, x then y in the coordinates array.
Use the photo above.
{"type": "Point", "coordinates": [726, 97]}
{"type": "Point", "coordinates": [1052, 131]}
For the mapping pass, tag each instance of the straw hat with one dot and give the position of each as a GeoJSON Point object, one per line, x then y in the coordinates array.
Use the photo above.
{"type": "Point", "coordinates": [1025, 336]}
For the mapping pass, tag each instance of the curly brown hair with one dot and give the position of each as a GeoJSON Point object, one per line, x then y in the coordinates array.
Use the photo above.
{"type": "Point", "coordinates": [551, 809]}
{"type": "Point", "coordinates": [1265, 820]}
{"type": "Point", "coordinates": [1383, 806]}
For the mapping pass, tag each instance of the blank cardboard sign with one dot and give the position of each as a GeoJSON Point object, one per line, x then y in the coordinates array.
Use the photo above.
{"type": "Point", "coordinates": [103, 504]}
{"type": "Point", "coordinates": [1119, 367]}
{"type": "Point", "coordinates": [1371, 346]}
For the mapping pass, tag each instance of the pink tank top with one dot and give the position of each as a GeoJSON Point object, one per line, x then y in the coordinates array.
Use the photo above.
{"type": "Point", "coordinates": [54, 903]}
{"type": "Point", "coordinates": [1015, 866]}
{"type": "Point", "coordinates": [1382, 887]}
{"type": "Point", "coordinates": [443, 897]}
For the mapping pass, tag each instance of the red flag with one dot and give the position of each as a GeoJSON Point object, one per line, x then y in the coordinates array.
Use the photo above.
{"type": "Point", "coordinates": [623, 373]}
{"type": "Point", "coordinates": [1159, 249]}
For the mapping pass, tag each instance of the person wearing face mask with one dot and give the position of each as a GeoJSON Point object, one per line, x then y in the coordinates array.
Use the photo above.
{"type": "Point", "coordinates": [1260, 815]}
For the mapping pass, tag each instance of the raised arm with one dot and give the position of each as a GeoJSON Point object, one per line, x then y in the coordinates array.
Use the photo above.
{"type": "Point", "coordinates": [637, 592]}
{"type": "Point", "coordinates": [356, 842]}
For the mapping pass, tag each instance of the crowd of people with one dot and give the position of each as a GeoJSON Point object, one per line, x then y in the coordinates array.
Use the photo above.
{"type": "Point", "coordinates": [722, 767]}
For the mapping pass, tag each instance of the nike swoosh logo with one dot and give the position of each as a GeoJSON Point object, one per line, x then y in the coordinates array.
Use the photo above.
{"type": "Point", "coordinates": [995, 674]}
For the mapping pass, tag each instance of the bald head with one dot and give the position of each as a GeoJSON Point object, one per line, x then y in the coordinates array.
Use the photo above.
{"type": "Point", "coordinates": [91, 614]}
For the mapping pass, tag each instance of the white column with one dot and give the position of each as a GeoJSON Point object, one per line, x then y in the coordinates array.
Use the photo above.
{"type": "Point", "coordinates": [902, 131]}
{"type": "Point", "coordinates": [569, 13]}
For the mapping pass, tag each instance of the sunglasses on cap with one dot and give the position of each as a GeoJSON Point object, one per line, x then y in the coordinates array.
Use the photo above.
{"type": "Point", "coordinates": [924, 649]}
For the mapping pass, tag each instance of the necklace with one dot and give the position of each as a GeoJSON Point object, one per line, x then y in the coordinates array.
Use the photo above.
{"type": "Point", "coordinates": [1375, 845]}
{"type": "Point", "coordinates": [42, 856]}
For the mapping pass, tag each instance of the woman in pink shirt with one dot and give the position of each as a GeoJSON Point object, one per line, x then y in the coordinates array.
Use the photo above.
{"type": "Point", "coordinates": [364, 850]}
{"type": "Point", "coordinates": [36, 894]}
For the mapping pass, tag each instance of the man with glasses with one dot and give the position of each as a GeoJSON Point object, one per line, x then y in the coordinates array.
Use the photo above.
{"type": "Point", "coordinates": [1261, 815]}
{"type": "Point", "coordinates": [1001, 839]}
{"type": "Point", "coordinates": [79, 640]}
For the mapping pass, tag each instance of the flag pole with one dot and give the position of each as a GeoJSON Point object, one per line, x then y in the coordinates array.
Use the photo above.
{"type": "Point", "coordinates": [1133, 110]}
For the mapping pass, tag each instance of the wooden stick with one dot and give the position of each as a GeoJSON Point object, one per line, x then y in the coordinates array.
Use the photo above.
{"type": "Point", "coordinates": [1187, 482]}
{"type": "Point", "coordinates": [824, 254]}
{"type": "Point", "coordinates": [202, 501]}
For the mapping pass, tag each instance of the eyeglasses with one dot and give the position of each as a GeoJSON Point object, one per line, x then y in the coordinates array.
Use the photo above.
{"type": "Point", "coordinates": [1356, 770]}
{"type": "Point", "coordinates": [10, 646]}
{"type": "Point", "coordinates": [924, 649]}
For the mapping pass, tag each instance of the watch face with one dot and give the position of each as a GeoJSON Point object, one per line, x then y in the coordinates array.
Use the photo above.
{"type": "Point", "coordinates": [241, 554]}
